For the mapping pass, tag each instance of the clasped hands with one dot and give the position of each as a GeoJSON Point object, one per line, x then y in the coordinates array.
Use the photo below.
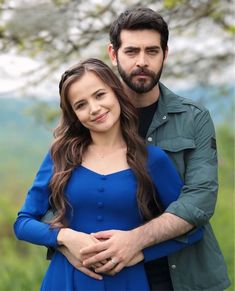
{"type": "Point", "coordinates": [105, 252]}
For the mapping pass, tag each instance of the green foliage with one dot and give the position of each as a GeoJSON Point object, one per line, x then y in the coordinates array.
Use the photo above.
{"type": "Point", "coordinates": [169, 4]}
{"type": "Point", "coordinates": [61, 31]}
{"type": "Point", "coordinates": [223, 220]}
{"type": "Point", "coordinates": [22, 266]}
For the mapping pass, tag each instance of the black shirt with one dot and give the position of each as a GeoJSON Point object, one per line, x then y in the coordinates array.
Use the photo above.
{"type": "Point", "coordinates": [145, 118]}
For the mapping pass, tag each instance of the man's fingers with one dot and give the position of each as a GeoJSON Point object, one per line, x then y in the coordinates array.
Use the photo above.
{"type": "Point", "coordinates": [102, 234]}
{"type": "Point", "coordinates": [97, 259]}
{"type": "Point", "coordinates": [96, 248]}
{"type": "Point", "coordinates": [110, 265]}
{"type": "Point", "coordinates": [110, 269]}
{"type": "Point", "coordinates": [90, 273]}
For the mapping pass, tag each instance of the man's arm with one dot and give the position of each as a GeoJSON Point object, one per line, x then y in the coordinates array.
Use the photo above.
{"type": "Point", "coordinates": [162, 228]}
{"type": "Point", "coordinates": [197, 200]}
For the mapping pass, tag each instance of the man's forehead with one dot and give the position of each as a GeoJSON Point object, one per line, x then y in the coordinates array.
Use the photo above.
{"type": "Point", "coordinates": [137, 38]}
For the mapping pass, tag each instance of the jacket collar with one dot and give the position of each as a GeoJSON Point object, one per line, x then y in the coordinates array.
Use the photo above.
{"type": "Point", "coordinates": [168, 102]}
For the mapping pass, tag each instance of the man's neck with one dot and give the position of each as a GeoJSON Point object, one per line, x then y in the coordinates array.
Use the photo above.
{"type": "Point", "coordinates": [144, 99]}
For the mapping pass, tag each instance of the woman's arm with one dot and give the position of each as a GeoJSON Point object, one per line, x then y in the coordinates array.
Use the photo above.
{"type": "Point", "coordinates": [28, 226]}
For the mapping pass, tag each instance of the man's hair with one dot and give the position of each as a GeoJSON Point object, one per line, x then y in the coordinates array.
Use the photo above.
{"type": "Point", "coordinates": [138, 18]}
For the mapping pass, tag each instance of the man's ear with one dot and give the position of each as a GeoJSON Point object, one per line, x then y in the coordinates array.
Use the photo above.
{"type": "Point", "coordinates": [166, 54]}
{"type": "Point", "coordinates": [112, 54]}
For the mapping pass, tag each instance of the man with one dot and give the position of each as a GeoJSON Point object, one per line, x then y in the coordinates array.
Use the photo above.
{"type": "Point", "coordinates": [182, 128]}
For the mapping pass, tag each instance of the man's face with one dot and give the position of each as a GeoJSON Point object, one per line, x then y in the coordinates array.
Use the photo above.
{"type": "Point", "coordinates": [140, 59]}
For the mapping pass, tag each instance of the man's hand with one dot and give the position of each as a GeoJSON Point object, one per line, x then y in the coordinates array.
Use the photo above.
{"type": "Point", "coordinates": [78, 264]}
{"type": "Point", "coordinates": [118, 247]}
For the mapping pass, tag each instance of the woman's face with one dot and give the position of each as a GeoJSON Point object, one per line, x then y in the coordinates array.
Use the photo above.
{"type": "Point", "coordinates": [94, 103]}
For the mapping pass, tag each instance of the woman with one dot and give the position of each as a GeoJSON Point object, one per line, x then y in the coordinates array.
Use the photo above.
{"type": "Point", "coordinates": [98, 175]}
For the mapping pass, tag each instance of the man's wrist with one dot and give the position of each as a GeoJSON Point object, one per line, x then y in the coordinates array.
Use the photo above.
{"type": "Point", "coordinates": [142, 235]}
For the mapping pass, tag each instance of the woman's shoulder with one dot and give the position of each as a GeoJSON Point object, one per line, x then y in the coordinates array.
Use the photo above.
{"type": "Point", "coordinates": [156, 154]}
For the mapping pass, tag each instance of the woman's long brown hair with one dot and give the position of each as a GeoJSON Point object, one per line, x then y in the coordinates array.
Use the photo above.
{"type": "Point", "coordinates": [72, 139]}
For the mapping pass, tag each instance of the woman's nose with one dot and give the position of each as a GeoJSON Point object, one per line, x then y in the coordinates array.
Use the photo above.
{"type": "Point", "coordinates": [94, 108]}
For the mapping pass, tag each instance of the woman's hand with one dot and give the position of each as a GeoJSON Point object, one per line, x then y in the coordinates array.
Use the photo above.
{"type": "Point", "coordinates": [74, 241]}
{"type": "Point", "coordinates": [78, 264]}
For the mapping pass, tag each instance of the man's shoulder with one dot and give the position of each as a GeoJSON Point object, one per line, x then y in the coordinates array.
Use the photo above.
{"type": "Point", "coordinates": [192, 103]}
{"type": "Point", "coordinates": [175, 101]}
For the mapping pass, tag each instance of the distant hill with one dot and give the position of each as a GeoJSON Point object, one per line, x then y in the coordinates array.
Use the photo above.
{"type": "Point", "coordinates": [23, 141]}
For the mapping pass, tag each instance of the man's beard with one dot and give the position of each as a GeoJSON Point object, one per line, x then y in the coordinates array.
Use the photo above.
{"type": "Point", "coordinates": [140, 86]}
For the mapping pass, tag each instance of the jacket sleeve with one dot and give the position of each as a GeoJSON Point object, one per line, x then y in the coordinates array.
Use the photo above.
{"type": "Point", "coordinates": [28, 226]}
{"type": "Point", "coordinates": [168, 184]}
{"type": "Point", "coordinates": [197, 199]}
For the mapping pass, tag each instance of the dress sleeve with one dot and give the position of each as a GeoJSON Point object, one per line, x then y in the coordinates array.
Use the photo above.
{"type": "Point", "coordinates": [28, 226]}
{"type": "Point", "coordinates": [168, 184]}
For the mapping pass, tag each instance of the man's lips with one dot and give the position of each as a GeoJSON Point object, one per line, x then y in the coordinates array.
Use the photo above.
{"type": "Point", "coordinates": [141, 75]}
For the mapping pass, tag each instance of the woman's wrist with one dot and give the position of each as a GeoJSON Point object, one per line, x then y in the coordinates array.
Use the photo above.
{"type": "Point", "coordinates": [63, 233]}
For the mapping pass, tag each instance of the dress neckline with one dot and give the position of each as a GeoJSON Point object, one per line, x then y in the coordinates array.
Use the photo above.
{"type": "Point", "coordinates": [105, 175]}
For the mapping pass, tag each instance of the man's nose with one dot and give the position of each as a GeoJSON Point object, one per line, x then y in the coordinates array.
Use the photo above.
{"type": "Point", "coordinates": [141, 60]}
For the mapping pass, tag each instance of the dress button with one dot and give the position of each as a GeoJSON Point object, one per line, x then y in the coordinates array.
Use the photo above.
{"type": "Point", "coordinates": [100, 204]}
{"type": "Point", "coordinates": [99, 218]}
{"type": "Point", "coordinates": [101, 189]}
{"type": "Point", "coordinates": [173, 267]}
{"type": "Point", "coordinates": [103, 178]}
{"type": "Point", "coordinates": [150, 138]}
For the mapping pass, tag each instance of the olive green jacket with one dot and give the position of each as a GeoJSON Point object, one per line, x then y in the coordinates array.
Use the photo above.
{"type": "Point", "coordinates": [184, 129]}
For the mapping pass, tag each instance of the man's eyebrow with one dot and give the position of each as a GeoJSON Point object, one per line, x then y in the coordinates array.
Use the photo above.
{"type": "Point", "coordinates": [131, 48]}
{"type": "Point", "coordinates": [137, 48]}
{"type": "Point", "coordinates": [153, 47]}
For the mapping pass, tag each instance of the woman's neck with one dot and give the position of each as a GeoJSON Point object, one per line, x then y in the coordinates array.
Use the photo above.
{"type": "Point", "coordinates": [107, 140]}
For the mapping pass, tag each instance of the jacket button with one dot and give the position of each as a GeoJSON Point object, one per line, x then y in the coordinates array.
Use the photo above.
{"type": "Point", "coordinates": [164, 117]}
{"type": "Point", "coordinates": [150, 138]}
{"type": "Point", "coordinates": [173, 267]}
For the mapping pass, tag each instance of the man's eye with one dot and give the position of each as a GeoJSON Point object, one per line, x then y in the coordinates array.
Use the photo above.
{"type": "Point", "coordinates": [130, 52]}
{"type": "Point", "coordinates": [153, 52]}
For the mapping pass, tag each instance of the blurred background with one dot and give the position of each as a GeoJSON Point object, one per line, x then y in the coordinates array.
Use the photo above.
{"type": "Point", "coordinates": [39, 39]}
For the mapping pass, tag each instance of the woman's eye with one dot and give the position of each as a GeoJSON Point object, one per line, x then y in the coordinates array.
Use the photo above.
{"type": "Point", "coordinates": [100, 95]}
{"type": "Point", "coordinates": [79, 106]}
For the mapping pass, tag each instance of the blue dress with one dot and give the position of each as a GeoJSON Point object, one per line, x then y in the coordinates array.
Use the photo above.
{"type": "Point", "coordinates": [100, 202]}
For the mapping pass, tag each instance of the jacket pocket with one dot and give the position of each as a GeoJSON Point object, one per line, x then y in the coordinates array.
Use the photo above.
{"type": "Point", "coordinates": [176, 144]}
{"type": "Point", "coordinates": [176, 148]}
